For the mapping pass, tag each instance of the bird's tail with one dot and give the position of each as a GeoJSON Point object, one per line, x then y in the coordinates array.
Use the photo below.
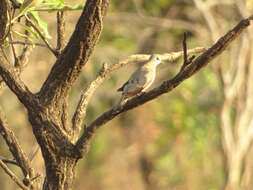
{"type": "Point", "coordinates": [122, 101]}
{"type": "Point", "coordinates": [120, 89]}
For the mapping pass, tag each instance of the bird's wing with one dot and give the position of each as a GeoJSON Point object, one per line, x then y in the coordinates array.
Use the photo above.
{"type": "Point", "coordinates": [122, 87]}
{"type": "Point", "coordinates": [132, 79]}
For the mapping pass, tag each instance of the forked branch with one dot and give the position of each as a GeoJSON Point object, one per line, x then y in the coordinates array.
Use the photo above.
{"type": "Point", "coordinates": [13, 81]}
{"type": "Point", "coordinates": [167, 86]}
{"type": "Point", "coordinates": [21, 159]}
{"type": "Point", "coordinates": [12, 176]}
{"type": "Point", "coordinates": [107, 70]}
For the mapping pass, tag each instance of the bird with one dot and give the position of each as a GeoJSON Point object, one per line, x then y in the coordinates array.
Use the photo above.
{"type": "Point", "coordinates": [140, 80]}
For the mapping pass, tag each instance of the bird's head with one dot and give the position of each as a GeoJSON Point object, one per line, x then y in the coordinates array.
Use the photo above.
{"type": "Point", "coordinates": [154, 58]}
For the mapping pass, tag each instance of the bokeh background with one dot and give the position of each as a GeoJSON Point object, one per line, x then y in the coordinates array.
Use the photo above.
{"type": "Point", "coordinates": [192, 138]}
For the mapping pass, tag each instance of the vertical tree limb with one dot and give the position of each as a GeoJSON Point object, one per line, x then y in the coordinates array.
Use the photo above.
{"type": "Point", "coordinates": [75, 55]}
{"type": "Point", "coordinates": [60, 31]}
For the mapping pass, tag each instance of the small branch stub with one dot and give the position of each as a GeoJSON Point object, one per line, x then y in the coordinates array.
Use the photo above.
{"type": "Point", "coordinates": [187, 60]}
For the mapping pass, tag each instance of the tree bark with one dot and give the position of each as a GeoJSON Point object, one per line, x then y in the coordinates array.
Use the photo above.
{"type": "Point", "coordinates": [60, 173]}
{"type": "Point", "coordinates": [57, 151]}
{"type": "Point", "coordinates": [235, 170]}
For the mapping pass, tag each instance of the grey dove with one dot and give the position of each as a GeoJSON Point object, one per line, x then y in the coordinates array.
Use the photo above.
{"type": "Point", "coordinates": [141, 79]}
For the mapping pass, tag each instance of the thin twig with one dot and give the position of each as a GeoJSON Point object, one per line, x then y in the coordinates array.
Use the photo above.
{"type": "Point", "coordinates": [16, 85]}
{"type": "Point", "coordinates": [42, 36]}
{"type": "Point", "coordinates": [184, 45]}
{"type": "Point", "coordinates": [187, 60]}
{"type": "Point", "coordinates": [60, 31]}
{"type": "Point", "coordinates": [27, 43]}
{"type": "Point", "coordinates": [35, 150]}
{"type": "Point", "coordinates": [8, 161]}
{"type": "Point", "coordinates": [14, 147]}
{"type": "Point", "coordinates": [15, 4]}
{"type": "Point", "coordinates": [185, 49]}
{"type": "Point", "coordinates": [24, 56]}
{"type": "Point", "coordinates": [13, 49]}
{"type": "Point", "coordinates": [12, 175]}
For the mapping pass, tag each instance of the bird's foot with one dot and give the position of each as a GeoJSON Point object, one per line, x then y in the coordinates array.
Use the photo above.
{"type": "Point", "coordinates": [140, 94]}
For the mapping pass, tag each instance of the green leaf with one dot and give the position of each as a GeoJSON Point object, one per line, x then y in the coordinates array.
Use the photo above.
{"type": "Point", "coordinates": [41, 23]}
{"type": "Point", "coordinates": [54, 3]}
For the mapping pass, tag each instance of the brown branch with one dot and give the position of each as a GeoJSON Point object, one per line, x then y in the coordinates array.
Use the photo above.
{"type": "Point", "coordinates": [13, 176]}
{"type": "Point", "coordinates": [14, 147]}
{"type": "Point", "coordinates": [185, 49]}
{"type": "Point", "coordinates": [13, 49]}
{"type": "Point", "coordinates": [23, 58]}
{"type": "Point", "coordinates": [75, 55]}
{"type": "Point", "coordinates": [27, 43]}
{"type": "Point", "coordinates": [15, 4]}
{"type": "Point", "coordinates": [106, 71]}
{"type": "Point", "coordinates": [167, 86]}
{"type": "Point", "coordinates": [8, 161]}
{"type": "Point", "coordinates": [16, 85]}
{"type": "Point", "coordinates": [187, 60]}
{"type": "Point", "coordinates": [60, 32]}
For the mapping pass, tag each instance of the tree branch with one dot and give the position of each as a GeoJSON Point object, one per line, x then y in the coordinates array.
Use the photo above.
{"type": "Point", "coordinates": [106, 71]}
{"type": "Point", "coordinates": [23, 58]}
{"type": "Point", "coordinates": [27, 43]}
{"type": "Point", "coordinates": [43, 38]}
{"type": "Point", "coordinates": [75, 55]}
{"type": "Point", "coordinates": [11, 78]}
{"type": "Point", "coordinates": [60, 32]}
{"type": "Point", "coordinates": [8, 161]}
{"type": "Point", "coordinates": [167, 86]}
{"type": "Point", "coordinates": [13, 176]}
{"type": "Point", "coordinates": [14, 147]}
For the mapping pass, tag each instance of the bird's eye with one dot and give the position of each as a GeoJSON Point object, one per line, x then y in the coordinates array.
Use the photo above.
{"type": "Point", "coordinates": [157, 59]}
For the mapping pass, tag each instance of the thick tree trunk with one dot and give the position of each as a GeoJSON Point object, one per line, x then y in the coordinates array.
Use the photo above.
{"type": "Point", "coordinates": [234, 172]}
{"type": "Point", "coordinates": [57, 151]}
{"type": "Point", "coordinates": [60, 174]}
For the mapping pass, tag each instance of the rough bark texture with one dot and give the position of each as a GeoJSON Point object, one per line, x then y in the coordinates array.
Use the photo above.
{"type": "Point", "coordinates": [77, 52]}
{"type": "Point", "coordinates": [60, 174]}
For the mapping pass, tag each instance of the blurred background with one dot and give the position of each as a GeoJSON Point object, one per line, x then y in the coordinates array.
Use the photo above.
{"type": "Point", "coordinates": [197, 137]}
